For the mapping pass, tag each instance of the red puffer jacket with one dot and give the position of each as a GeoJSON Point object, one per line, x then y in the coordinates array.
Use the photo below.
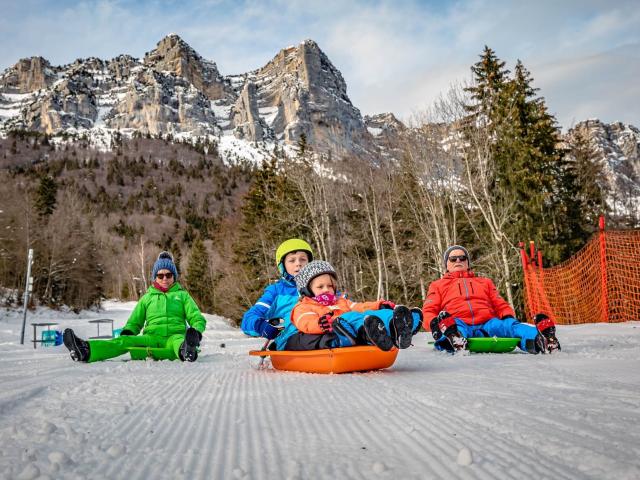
{"type": "Point", "coordinates": [474, 300]}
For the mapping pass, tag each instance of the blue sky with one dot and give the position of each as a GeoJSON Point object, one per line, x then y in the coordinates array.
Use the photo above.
{"type": "Point", "coordinates": [395, 56]}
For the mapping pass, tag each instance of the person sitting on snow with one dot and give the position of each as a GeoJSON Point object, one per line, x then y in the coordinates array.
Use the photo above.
{"type": "Point", "coordinates": [460, 305]}
{"type": "Point", "coordinates": [162, 314]}
{"type": "Point", "coordinates": [324, 319]}
{"type": "Point", "coordinates": [278, 298]}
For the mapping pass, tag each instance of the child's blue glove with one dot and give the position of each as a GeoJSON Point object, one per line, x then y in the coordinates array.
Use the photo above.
{"type": "Point", "coordinates": [269, 331]}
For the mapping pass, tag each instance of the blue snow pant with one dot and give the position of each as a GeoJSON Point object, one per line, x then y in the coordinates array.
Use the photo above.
{"type": "Point", "coordinates": [352, 322]}
{"type": "Point", "coordinates": [507, 328]}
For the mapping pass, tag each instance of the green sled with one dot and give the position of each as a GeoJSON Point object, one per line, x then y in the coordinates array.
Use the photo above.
{"type": "Point", "coordinates": [492, 344]}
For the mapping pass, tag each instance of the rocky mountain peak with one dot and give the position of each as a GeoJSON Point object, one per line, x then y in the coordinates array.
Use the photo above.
{"type": "Point", "coordinates": [301, 92]}
{"type": "Point", "coordinates": [617, 146]}
{"type": "Point", "coordinates": [173, 54]}
{"type": "Point", "coordinates": [28, 75]}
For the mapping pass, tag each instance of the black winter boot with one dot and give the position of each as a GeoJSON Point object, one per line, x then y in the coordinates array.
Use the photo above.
{"type": "Point", "coordinates": [401, 327]}
{"type": "Point", "coordinates": [78, 348]}
{"type": "Point", "coordinates": [447, 327]}
{"type": "Point", "coordinates": [547, 329]}
{"type": "Point", "coordinates": [377, 333]}
{"type": "Point", "coordinates": [189, 348]}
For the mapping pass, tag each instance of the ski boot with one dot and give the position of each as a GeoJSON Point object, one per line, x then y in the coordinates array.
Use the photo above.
{"type": "Point", "coordinates": [189, 348]}
{"type": "Point", "coordinates": [401, 327]}
{"type": "Point", "coordinates": [447, 327]}
{"type": "Point", "coordinates": [78, 349]}
{"type": "Point", "coordinates": [549, 342]}
{"type": "Point", "coordinates": [377, 333]}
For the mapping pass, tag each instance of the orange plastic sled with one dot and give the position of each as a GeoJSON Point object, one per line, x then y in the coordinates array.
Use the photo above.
{"type": "Point", "coordinates": [336, 360]}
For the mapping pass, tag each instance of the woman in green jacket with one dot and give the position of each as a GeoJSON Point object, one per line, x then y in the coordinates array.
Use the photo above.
{"type": "Point", "coordinates": [170, 321]}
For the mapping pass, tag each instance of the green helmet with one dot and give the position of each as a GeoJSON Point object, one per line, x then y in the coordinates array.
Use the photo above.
{"type": "Point", "coordinates": [292, 245]}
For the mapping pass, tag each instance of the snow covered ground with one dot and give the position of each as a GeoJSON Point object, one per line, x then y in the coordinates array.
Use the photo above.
{"type": "Point", "coordinates": [571, 415]}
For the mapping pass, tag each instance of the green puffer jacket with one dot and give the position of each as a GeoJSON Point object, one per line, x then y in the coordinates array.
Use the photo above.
{"type": "Point", "coordinates": [165, 314]}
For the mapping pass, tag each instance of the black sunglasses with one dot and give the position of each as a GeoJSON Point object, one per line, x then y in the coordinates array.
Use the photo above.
{"type": "Point", "coordinates": [164, 275]}
{"type": "Point", "coordinates": [456, 258]}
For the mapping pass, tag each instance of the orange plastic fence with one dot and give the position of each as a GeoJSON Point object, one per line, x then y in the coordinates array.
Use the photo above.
{"type": "Point", "coordinates": [600, 283]}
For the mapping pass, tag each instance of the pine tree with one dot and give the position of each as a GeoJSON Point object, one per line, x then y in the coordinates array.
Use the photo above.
{"type": "Point", "coordinates": [490, 78]}
{"type": "Point", "coordinates": [271, 213]}
{"type": "Point", "coordinates": [198, 279]}
{"type": "Point", "coordinates": [45, 201]}
{"type": "Point", "coordinates": [588, 180]}
{"type": "Point", "coordinates": [303, 145]}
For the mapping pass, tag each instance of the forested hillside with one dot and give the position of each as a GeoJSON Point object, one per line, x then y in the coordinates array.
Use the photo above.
{"type": "Point", "coordinates": [486, 168]}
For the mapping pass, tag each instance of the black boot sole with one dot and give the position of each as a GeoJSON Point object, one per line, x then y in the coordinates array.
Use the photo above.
{"type": "Point", "coordinates": [72, 342]}
{"type": "Point", "coordinates": [377, 333]}
{"type": "Point", "coordinates": [402, 327]}
{"type": "Point", "coordinates": [190, 345]}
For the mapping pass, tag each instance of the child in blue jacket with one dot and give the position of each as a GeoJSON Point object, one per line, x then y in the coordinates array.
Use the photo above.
{"type": "Point", "coordinates": [279, 298]}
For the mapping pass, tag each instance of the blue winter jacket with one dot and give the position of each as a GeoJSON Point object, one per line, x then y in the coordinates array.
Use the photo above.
{"type": "Point", "coordinates": [277, 301]}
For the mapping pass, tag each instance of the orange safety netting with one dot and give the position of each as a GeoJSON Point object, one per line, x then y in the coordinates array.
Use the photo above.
{"type": "Point", "coordinates": [600, 283]}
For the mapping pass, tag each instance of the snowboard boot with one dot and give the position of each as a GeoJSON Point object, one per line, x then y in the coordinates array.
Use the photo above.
{"type": "Point", "coordinates": [547, 329]}
{"type": "Point", "coordinates": [340, 330]}
{"type": "Point", "coordinates": [189, 348]}
{"type": "Point", "coordinates": [401, 327]}
{"type": "Point", "coordinates": [448, 328]}
{"type": "Point", "coordinates": [377, 333]}
{"type": "Point", "coordinates": [78, 348]}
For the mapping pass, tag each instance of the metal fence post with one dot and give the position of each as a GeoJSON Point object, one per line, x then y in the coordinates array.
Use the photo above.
{"type": "Point", "coordinates": [27, 290]}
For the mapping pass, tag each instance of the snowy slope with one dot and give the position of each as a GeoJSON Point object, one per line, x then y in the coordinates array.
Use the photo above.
{"type": "Point", "coordinates": [432, 415]}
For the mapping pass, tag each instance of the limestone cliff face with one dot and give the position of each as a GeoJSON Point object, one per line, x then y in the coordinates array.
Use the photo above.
{"type": "Point", "coordinates": [28, 75]}
{"type": "Point", "coordinates": [172, 54]}
{"type": "Point", "coordinates": [70, 104]}
{"type": "Point", "coordinates": [246, 118]}
{"type": "Point", "coordinates": [158, 103]}
{"type": "Point", "coordinates": [301, 92]}
{"type": "Point", "coordinates": [174, 90]}
{"type": "Point", "coordinates": [617, 147]}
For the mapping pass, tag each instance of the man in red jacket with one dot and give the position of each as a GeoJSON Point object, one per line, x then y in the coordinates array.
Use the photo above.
{"type": "Point", "coordinates": [461, 305]}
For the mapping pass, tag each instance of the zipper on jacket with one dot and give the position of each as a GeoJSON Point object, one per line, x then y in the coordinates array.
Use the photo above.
{"type": "Point", "coordinates": [473, 320]}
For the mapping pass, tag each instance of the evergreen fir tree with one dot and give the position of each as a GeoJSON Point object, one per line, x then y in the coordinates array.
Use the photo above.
{"type": "Point", "coordinates": [271, 213]}
{"type": "Point", "coordinates": [198, 279]}
{"type": "Point", "coordinates": [303, 146]}
{"type": "Point", "coordinates": [45, 201]}
{"type": "Point", "coordinates": [490, 78]}
{"type": "Point", "coordinates": [588, 180]}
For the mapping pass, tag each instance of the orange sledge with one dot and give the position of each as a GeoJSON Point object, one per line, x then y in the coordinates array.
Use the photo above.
{"type": "Point", "coordinates": [330, 360]}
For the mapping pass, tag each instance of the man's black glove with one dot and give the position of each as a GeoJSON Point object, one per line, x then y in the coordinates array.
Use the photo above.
{"type": "Point", "coordinates": [435, 331]}
{"type": "Point", "coordinates": [443, 324]}
{"type": "Point", "coordinates": [127, 333]}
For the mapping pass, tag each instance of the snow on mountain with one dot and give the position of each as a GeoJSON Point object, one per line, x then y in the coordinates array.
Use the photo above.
{"type": "Point", "coordinates": [570, 415]}
{"type": "Point", "coordinates": [174, 91]}
{"type": "Point", "coordinates": [617, 148]}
